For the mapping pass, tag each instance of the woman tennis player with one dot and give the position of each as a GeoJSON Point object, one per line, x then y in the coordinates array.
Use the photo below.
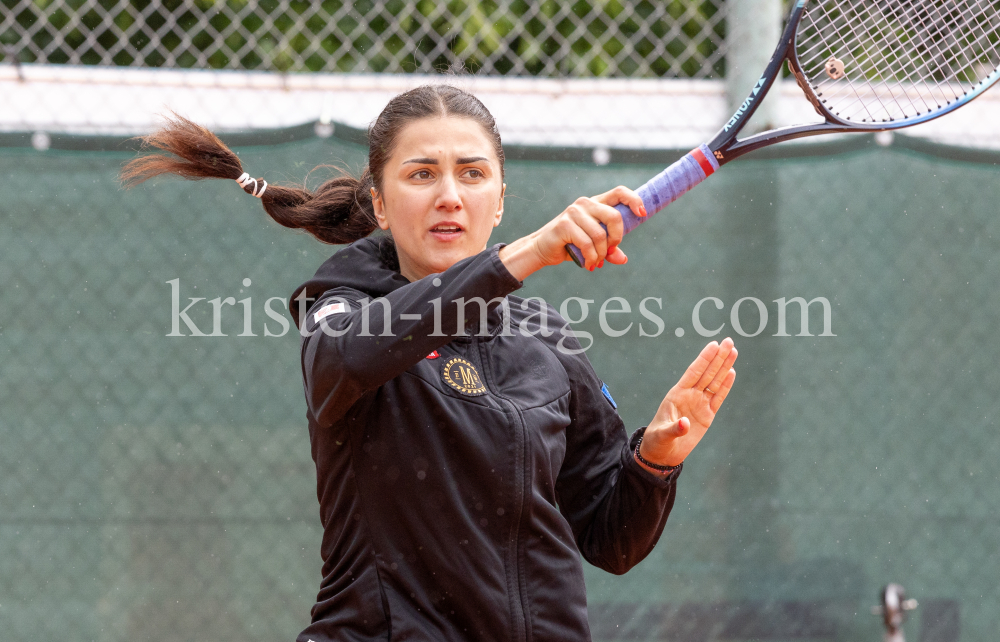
{"type": "Point", "coordinates": [462, 470]}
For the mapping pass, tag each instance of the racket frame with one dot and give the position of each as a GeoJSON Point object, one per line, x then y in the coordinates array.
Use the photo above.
{"type": "Point", "coordinates": [726, 146]}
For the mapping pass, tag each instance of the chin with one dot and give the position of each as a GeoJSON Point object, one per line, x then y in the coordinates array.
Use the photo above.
{"type": "Point", "coordinates": [444, 258]}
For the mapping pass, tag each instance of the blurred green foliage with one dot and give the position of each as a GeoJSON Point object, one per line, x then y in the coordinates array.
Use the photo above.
{"type": "Point", "coordinates": [582, 38]}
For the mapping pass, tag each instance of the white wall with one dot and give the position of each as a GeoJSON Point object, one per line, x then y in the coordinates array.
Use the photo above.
{"type": "Point", "coordinates": [615, 113]}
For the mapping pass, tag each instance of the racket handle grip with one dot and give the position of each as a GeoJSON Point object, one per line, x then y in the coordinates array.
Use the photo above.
{"type": "Point", "coordinates": [662, 190]}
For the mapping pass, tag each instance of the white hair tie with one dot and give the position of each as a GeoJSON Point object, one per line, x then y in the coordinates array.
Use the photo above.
{"type": "Point", "coordinates": [245, 180]}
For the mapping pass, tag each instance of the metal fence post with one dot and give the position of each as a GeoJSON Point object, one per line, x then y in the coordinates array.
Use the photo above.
{"type": "Point", "coordinates": [752, 30]}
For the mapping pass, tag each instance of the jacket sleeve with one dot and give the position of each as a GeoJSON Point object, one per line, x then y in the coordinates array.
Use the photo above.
{"type": "Point", "coordinates": [346, 354]}
{"type": "Point", "coordinates": [616, 508]}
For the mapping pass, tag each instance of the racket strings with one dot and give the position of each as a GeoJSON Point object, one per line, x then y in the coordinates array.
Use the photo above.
{"type": "Point", "coordinates": [837, 93]}
{"type": "Point", "coordinates": [954, 49]}
{"type": "Point", "coordinates": [919, 83]}
{"type": "Point", "coordinates": [924, 45]}
{"type": "Point", "coordinates": [927, 44]}
{"type": "Point", "coordinates": [849, 91]}
{"type": "Point", "coordinates": [960, 46]}
{"type": "Point", "coordinates": [902, 59]}
{"type": "Point", "coordinates": [867, 56]}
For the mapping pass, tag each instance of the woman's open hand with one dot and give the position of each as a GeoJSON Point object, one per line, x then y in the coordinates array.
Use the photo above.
{"type": "Point", "coordinates": [579, 224]}
{"type": "Point", "coordinates": [690, 406]}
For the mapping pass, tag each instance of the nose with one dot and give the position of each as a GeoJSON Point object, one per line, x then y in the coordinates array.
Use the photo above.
{"type": "Point", "coordinates": [448, 198]}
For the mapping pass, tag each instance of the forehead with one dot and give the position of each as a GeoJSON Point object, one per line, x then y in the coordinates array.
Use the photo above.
{"type": "Point", "coordinates": [443, 136]}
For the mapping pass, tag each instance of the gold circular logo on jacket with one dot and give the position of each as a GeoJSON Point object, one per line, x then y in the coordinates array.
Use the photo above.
{"type": "Point", "coordinates": [463, 376]}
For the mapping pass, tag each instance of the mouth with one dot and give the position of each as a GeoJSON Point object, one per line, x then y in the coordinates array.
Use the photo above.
{"type": "Point", "coordinates": [447, 230]}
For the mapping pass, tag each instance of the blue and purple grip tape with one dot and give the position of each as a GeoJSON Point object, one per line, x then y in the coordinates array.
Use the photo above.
{"type": "Point", "coordinates": [663, 189]}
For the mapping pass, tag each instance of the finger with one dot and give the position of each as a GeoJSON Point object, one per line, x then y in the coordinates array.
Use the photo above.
{"type": "Point", "coordinates": [720, 396]}
{"type": "Point", "coordinates": [610, 217]}
{"type": "Point", "coordinates": [706, 378]}
{"type": "Point", "coordinates": [678, 429]}
{"type": "Point", "coordinates": [713, 369]}
{"type": "Point", "coordinates": [616, 256]}
{"type": "Point", "coordinates": [698, 367]}
{"type": "Point", "coordinates": [723, 372]}
{"type": "Point", "coordinates": [579, 237]}
{"type": "Point", "coordinates": [580, 215]}
{"type": "Point", "coordinates": [622, 194]}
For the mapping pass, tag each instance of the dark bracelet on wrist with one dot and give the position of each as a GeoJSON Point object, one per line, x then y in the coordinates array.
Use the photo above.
{"type": "Point", "coordinates": [662, 469]}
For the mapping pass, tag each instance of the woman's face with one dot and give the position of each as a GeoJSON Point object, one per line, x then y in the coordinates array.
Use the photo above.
{"type": "Point", "coordinates": [441, 195]}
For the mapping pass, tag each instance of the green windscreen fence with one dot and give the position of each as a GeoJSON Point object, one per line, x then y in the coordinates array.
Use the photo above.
{"type": "Point", "coordinates": [157, 487]}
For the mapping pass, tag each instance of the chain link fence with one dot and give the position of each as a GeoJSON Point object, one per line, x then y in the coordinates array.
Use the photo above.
{"type": "Point", "coordinates": [621, 74]}
{"type": "Point", "coordinates": [109, 67]}
{"type": "Point", "coordinates": [624, 38]}
{"type": "Point", "coordinates": [162, 488]}
{"type": "Point", "coordinates": [157, 487]}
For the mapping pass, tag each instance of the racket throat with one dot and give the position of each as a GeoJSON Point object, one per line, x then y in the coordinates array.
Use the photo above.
{"type": "Point", "coordinates": [724, 142]}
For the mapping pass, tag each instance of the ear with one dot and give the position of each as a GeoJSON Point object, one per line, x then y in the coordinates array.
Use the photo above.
{"type": "Point", "coordinates": [379, 208]}
{"type": "Point", "coordinates": [499, 214]}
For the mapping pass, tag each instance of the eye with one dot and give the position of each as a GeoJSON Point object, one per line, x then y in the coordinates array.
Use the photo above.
{"type": "Point", "coordinates": [422, 175]}
{"type": "Point", "coordinates": [475, 173]}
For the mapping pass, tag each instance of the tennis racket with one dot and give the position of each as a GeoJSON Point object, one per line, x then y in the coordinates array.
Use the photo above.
{"type": "Point", "coordinates": [866, 66]}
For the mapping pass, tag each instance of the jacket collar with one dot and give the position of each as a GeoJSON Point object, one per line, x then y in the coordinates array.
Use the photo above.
{"type": "Point", "coordinates": [360, 266]}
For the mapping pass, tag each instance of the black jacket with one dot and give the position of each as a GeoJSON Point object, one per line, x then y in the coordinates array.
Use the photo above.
{"type": "Point", "coordinates": [460, 478]}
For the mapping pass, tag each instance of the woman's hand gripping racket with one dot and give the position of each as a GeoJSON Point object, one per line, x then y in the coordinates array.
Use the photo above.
{"type": "Point", "coordinates": [865, 66]}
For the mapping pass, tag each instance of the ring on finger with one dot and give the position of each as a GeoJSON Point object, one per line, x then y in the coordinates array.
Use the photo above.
{"type": "Point", "coordinates": [711, 392]}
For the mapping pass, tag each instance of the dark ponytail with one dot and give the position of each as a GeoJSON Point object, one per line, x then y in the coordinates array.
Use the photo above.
{"type": "Point", "coordinates": [340, 210]}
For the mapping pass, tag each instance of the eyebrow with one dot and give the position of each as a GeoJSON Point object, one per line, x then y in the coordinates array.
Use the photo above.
{"type": "Point", "coordinates": [461, 161]}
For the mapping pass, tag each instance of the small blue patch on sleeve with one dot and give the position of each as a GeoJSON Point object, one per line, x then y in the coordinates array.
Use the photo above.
{"type": "Point", "coordinates": [607, 395]}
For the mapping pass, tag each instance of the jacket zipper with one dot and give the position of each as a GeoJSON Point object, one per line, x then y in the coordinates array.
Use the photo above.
{"type": "Point", "coordinates": [520, 468]}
